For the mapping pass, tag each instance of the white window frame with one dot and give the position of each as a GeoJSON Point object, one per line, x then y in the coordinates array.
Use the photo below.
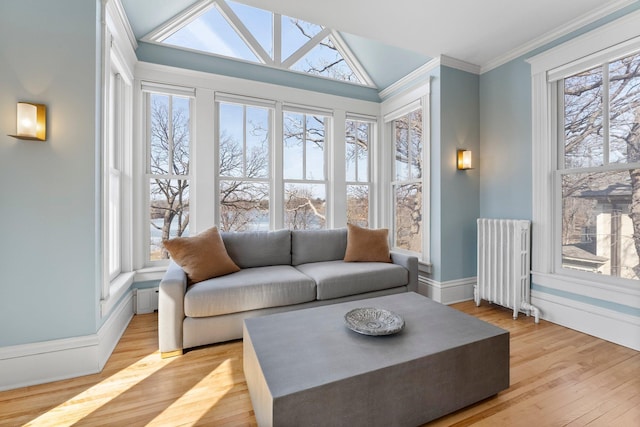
{"type": "Point", "coordinates": [607, 42]}
{"type": "Point", "coordinates": [245, 102]}
{"type": "Point", "coordinates": [116, 158]}
{"type": "Point", "coordinates": [372, 122]}
{"type": "Point", "coordinates": [326, 150]}
{"type": "Point", "coordinates": [149, 89]}
{"type": "Point", "coordinates": [207, 88]}
{"type": "Point", "coordinates": [393, 108]}
{"type": "Point", "coordinates": [159, 34]}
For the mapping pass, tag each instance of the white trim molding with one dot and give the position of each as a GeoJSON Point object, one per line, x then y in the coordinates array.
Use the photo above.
{"type": "Point", "coordinates": [606, 9]}
{"type": "Point", "coordinates": [449, 292]}
{"type": "Point", "coordinates": [607, 324]}
{"type": "Point", "coordinates": [43, 362]}
{"type": "Point", "coordinates": [421, 74]}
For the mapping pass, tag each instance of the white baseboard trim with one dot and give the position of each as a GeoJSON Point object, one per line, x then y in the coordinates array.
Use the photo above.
{"type": "Point", "coordinates": [448, 292]}
{"type": "Point", "coordinates": [43, 362]}
{"type": "Point", "coordinates": [609, 325]}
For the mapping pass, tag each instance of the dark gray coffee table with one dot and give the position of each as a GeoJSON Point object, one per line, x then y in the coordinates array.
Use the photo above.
{"type": "Point", "coordinates": [306, 368]}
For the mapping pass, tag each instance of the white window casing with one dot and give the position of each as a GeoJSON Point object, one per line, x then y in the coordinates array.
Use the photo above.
{"type": "Point", "coordinates": [609, 42]}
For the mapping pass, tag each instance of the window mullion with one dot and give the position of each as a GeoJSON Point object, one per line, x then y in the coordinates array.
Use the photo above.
{"type": "Point", "coordinates": [313, 42]}
{"type": "Point", "coordinates": [605, 114]}
{"type": "Point", "coordinates": [277, 39]}
{"type": "Point", "coordinates": [244, 142]}
{"type": "Point", "coordinates": [304, 146]}
{"type": "Point", "coordinates": [170, 137]}
{"type": "Point", "coordinates": [276, 201]}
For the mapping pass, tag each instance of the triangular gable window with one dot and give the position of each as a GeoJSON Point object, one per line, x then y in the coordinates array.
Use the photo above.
{"type": "Point", "coordinates": [325, 60]}
{"type": "Point", "coordinates": [211, 33]}
{"type": "Point", "coordinates": [238, 31]}
{"type": "Point", "coordinates": [259, 22]}
{"type": "Point", "coordinates": [295, 34]}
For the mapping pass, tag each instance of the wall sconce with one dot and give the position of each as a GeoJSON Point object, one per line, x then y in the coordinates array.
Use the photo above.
{"type": "Point", "coordinates": [31, 122]}
{"type": "Point", "coordinates": [464, 160]}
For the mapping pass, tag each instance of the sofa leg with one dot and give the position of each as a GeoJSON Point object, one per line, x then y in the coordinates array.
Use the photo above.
{"type": "Point", "coordinates": [168, 354]}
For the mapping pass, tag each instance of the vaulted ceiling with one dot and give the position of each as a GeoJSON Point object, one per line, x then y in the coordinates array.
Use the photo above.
{"type": "Point", "coordinates": [392, 38]}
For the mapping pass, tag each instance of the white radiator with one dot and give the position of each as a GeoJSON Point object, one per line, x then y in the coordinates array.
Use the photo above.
{"type": "Point", "coordinates": [504, 265]}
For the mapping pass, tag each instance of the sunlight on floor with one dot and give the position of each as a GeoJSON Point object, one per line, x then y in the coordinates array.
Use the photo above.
{"type": "Point", "coordinates": [201, 393]}
{"type": "Point", "coordinates": [83, 404]}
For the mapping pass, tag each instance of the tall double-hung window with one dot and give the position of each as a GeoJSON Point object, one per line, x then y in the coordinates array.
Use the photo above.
{"type": "Point", "coordinates": [358, 139]}
{"type": "Point", "coordinates": [244, 166]}
{"type": "Point", "coordinates": [169, 137]}
{"type": "Point", "coordinates": [586, 163]}
{"type": "Point", "coordinates": [406, 185]}
{"type": "Point", "coordinates": [304, 147]}
{"type": "Point", "coordinates": [599, 167]}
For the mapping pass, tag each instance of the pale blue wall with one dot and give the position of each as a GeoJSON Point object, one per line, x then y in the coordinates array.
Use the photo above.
{"type": "Point", "coordinates": [174, 57]}
{"type": "Point", "coordinates": [454, 201]}
{"type": "Point", "coordinates": [505, 132]}
{"type": "Point", "coordinates": [506, 144]}
{"type": "Point", "coordinates": [505, 135]}
{"type": "Point", "coordinates": [48, 281]}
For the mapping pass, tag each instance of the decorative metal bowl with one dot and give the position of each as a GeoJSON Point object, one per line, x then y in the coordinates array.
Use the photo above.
{"type": "Point", "coordinates": [373, 321]}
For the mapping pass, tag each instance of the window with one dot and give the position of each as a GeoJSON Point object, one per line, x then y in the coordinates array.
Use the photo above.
{"type": "Point", "coordinates": [599, 168]}
{"type": "Point", "coordinates": [168, 156]}
{"type": "Point", "coordinates": [304, 174]}
{"type": "Point", "coordinates": [244, 166]}
{"type": "Point", "coordinates": [246, 33]}
{"type": "Point", "coordinates": [247, 163]}
{"type": "Point", "coordinates": [113, 178]}
{"type": "Point", "coordinates": [585, 110]}
{"type": "Point", "coordinates": [358, 139]}
{"type": "Point", "coordinates": [407, 181]}
{"type": "Point", "coordinates": [116, 157]}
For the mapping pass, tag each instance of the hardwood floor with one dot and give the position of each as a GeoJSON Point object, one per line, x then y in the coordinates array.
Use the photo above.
{"type": "Point", "coordinates": [559, 377]}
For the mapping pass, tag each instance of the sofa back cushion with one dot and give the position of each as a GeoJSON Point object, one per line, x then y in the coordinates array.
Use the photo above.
{"type": "Point", "coordinates": [258, 248]}
{"type": "Point", "coordinates": [318, 245]}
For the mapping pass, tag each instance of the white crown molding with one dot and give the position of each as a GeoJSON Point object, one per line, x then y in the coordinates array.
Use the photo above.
{"type": "Point", "coordinates": [410, 78]}
{"type": "Point", "coordinates": [552, 35]}
{"type": "Point", "coordinates": [459, 64]}
{"type": "Point", "coordinates": [419, 73]}
{"type": "Point", "coordinates": [124, 21]}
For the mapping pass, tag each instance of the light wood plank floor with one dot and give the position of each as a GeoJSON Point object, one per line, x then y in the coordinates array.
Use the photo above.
{"type": "Point", "coordinates": [559, 377]}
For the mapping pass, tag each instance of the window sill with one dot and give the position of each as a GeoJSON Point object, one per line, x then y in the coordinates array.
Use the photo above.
{"type": "Point", "coordinates": [150, 273]}
{"type": "Point", "coordinates": [424, 267]}
{"type": "Point", "coordinates": [117, 288]}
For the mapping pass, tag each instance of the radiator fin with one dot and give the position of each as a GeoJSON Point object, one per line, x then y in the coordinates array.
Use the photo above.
{"type": "Point", "coordinates": [504, 264]}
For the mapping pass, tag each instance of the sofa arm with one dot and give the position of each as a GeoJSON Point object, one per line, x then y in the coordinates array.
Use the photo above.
{"type": "Point", "coordinates": [409, 262]}
{"type": "Point", "coordinates": [171, 310]}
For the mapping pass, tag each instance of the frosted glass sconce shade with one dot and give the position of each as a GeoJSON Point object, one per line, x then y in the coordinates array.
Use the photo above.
{"type": "Point", "coordinates": [31, 121]}
{"type": "Point", "coordinates": [464, 160]}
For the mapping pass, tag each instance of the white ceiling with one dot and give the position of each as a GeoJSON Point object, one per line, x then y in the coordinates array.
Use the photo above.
{"type": "Point", "coordinates": [478, 32]}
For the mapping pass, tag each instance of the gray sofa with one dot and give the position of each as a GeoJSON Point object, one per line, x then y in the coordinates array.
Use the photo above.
{"type": "Point", "coordinates": [280, 271]}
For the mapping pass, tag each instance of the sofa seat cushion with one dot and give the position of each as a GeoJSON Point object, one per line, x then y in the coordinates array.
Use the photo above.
{"type": "Point", "coordinates": [335, 279]}
{"type": "Point", "coordinates": [249, 289]}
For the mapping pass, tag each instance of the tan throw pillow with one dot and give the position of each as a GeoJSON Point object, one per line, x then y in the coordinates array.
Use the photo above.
{"type": "Point", "coordinates": [202, 256]}
{"type": "Point", "coordinates": [364, 244]}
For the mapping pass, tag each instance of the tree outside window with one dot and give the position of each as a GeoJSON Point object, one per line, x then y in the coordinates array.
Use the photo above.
{"type": "Point", "coordinates": [357, 147]}
{"type": "Point", "coordinates": [168, 147]}
{"type": "Point", "coordinates": [407, 185]}
{"type": "Point", "coordinates": [305, 188]}
{"type": "Point", "coordinates": [600, 180]}
{"type": "Point", "coordinates": [243, 148]}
